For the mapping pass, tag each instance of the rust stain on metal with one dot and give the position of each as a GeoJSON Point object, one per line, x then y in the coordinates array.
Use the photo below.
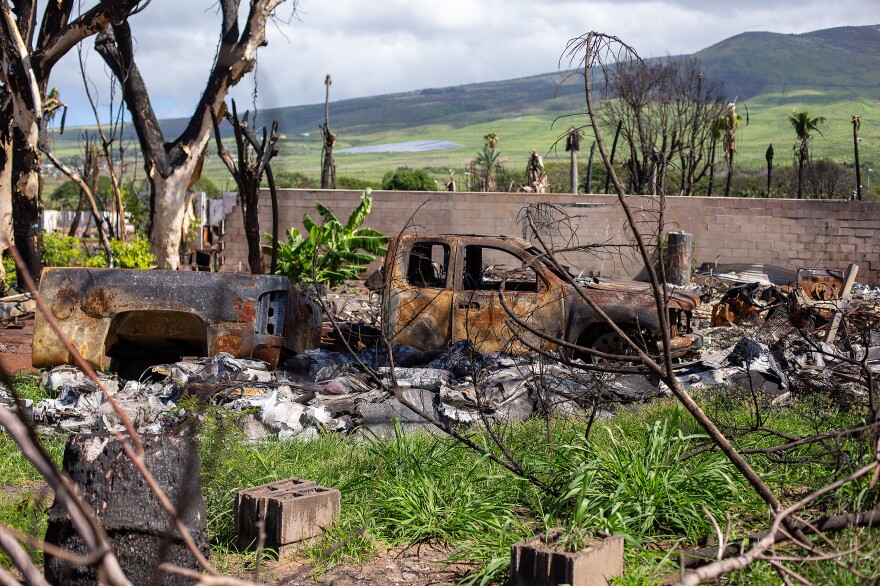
{"type": "Point", "coordinates": [98, 302]}
{"type": "Point", "coordinates": [229, 343]}
{"type": "Point", "coordinates": [65, 302]}
{"type": "Point", "coordinates": [245, 308]}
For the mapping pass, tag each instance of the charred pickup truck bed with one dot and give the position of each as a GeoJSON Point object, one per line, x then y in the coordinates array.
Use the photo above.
{"type": "Point", "coordinates": [139, 318]}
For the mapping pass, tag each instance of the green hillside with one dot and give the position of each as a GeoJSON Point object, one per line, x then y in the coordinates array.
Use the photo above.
{"type": "Point", "coordinates": [833, 73]}
{"type": "Point", "coordinates": [843, 61]}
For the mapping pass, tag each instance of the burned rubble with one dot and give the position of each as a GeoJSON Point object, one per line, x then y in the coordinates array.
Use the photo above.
{"type": "Point", "coordinates": [774, 343]}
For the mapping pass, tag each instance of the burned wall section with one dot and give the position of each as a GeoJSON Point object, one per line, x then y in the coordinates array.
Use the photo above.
{"type": "Point", "coordinates": [781, 232]}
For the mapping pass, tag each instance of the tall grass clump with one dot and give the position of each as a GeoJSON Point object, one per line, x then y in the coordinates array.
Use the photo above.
{"type": "Point", "coordinates": [646, 488]}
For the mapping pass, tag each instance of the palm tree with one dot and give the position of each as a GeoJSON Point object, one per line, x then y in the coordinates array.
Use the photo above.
{"type": "Point", "coordinates": [804, 126]}
{"type": "Point", "coordinates": [487, 162]}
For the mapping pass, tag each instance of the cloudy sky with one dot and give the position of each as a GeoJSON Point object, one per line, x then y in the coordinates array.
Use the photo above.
{"type": "Point", "coordinates": [375, 47]}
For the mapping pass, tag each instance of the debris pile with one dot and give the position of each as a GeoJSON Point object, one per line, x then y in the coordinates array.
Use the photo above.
{"type": "Point", "coordinates": [776, 339]}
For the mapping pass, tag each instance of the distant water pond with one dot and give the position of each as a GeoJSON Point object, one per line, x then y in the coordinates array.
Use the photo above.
{"type": "Point", "coordinates": [412, 146]}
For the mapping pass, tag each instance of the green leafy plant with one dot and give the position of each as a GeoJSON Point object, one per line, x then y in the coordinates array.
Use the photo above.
{"type": "Point", "coordinates": [67, 251]}
{"type": "Point", "coordinates": [9, 277]}
{"type": "Point", "coordinates": [633, 489]}
{"type": "Point", "coordinates": [62, 251]}
{"type": "Point", "coordinates": [134, 254]}
{"type": "Point", "coordinates": [330, 253]}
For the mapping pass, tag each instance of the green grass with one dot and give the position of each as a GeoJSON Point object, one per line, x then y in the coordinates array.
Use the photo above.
{"type": "Point", "coordinates": [630, 477]}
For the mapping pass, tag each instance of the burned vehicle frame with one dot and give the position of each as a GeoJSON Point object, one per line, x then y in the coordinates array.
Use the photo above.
{"type": "Point", "coordinates": [142, 318]}
{"type": "Point", "coordinates": [441, 289]}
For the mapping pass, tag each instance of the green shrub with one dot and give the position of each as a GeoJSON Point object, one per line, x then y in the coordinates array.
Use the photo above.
{"type": "Point", "coordinates": [9, 278]}
{"type": "Point", "coordinates": [354, 183]}
{"type": "Point", "coordinates": [67, 251]}
{"type": "Point", "coordinates": [134, 254]}
{"type": "Point", "coordinates": [331, 253]}
{"type": "Point", "coordinates": [62, 251]}
{"type": "Point", "coordinates": [405, 179]}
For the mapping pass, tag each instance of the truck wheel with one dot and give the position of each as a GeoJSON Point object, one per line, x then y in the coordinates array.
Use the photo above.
{"type": "Point", "coordinates": [610, 343]}
{"type": "Point", "coordinates": [606, 341]}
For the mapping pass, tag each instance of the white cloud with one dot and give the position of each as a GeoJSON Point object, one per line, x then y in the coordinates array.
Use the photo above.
{"type": "Point", "coordinates": [397, 45]}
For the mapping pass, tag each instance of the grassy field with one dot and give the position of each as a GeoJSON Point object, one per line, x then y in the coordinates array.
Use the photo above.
{"type": "Point", "coordinates": [519, 134]}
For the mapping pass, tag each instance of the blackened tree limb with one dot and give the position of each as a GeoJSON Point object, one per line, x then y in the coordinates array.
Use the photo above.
{"type": "Point", "coordinates": [696, 557]}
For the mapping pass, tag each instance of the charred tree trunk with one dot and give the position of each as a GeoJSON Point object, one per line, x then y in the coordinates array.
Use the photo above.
{"type": "Point", "coordinates": [74, 223]}
{"type": "Point", "coordinates": [769, 157]}
{"type": "Point", "coordinates": [800, 175]}
{"type": "Point", "coordinates": [248, 174]}
{"type": "Point", "coordinates": [679, 246]}
{"type": "Point", "coordinates": [613, 150]}
{"type": "Point", "coordinates": [27, 217]}
{"type": "Point", "coordinates": [573, 145]}
{"type": "Point", "coordinates": [5, 194]}
{"type": "Point", "coordinates": [174, 166]}
{"type": "Point", "coordinates": [140, 532]}
{"type": "Point", "coordinates": [589, 186]}
{"type": "Point", "coordinates": [729, 174]}
{"type": "Point", "coordinates": [711, 168]}
{"type": "Point", "coordinates": [328, 166]}
{"type": "Point", "coordinates": [856, 125]}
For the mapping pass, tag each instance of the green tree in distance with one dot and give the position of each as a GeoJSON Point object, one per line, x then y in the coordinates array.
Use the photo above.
{"type": "Point", "coordinates": [804, 127]}
{"type": "Point", "coordinates": [404, 179]}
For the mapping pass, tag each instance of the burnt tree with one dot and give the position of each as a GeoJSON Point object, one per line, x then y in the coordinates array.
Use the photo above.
{"type": "Point", "coordinates": [174, 166]}
{"type": "Point", "coordinates": [663, 110]}
{"type": "Point", "coordinates": [27, 54]}
{"type": "Point", "coordinates": [328, 166]}
{"type": "Point", "coordinates": [248, 173]}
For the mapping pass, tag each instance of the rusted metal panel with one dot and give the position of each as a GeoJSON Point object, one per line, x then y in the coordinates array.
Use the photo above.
{"type": "Point", "coordinates": [120, 312]}
{"type": "Point", "coordinates": [820, 284]}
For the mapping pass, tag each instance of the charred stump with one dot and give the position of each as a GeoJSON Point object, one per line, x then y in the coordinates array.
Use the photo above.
{"type": "Point", "coordinates": [139, 530]}
{"type": "Point", "coordinates": [678, 257]}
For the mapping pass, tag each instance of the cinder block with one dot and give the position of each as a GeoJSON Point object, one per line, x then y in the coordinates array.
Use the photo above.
{"type": "Point", "coordinates": [533, 563]}
{"type": "Point", "coordinates": [293, 510]}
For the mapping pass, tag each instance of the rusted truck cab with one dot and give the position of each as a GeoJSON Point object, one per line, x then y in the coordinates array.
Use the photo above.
{"type": "Point", "coordinates": [139, 318]}
{"type": "Point", "coordinates": [445, 288]}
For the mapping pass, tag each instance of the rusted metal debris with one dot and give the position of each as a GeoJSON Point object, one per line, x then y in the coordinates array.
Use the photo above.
{"type": "Point", "coordinates": [443, 289]}
{"type": "Point", "coordinates": [140, 318]}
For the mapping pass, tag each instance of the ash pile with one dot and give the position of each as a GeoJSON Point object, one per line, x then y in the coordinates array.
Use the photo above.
{"type": "Point", "coordinates": [324, 391]}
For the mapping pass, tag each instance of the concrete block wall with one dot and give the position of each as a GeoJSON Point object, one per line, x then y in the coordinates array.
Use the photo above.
{"type": "Point", "coordinates": [781, 232]}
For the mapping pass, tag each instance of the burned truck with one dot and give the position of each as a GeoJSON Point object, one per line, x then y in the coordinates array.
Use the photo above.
{"type": "Point", "coordinates": [142, 318]}
{"type": "Point", "coordinates": [442, 289]}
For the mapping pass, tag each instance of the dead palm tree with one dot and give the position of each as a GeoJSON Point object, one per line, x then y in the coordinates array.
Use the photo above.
{"type": "Point", "coordinates": [804, 127]}
{"type": "Point", "coordinates": [729, 124]}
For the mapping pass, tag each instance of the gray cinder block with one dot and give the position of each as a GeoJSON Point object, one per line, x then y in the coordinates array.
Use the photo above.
{"type": "Point", "coordinates": [293, 510]}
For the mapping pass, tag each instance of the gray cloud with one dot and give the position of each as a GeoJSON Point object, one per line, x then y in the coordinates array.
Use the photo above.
{"type": "Point", "coordinates": [398, 45]}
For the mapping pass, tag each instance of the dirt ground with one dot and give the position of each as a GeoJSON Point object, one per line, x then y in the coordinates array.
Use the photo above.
{"type": "Point", "coordinates": [15, 345]}
{"type": "Point", "coordinates": [417, 565]}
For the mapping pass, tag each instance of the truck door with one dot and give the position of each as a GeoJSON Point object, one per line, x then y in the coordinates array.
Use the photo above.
{"type": "Point", "coordinates": [479, 316]}
{"type": "Point", "coordinates": [420, 298]}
